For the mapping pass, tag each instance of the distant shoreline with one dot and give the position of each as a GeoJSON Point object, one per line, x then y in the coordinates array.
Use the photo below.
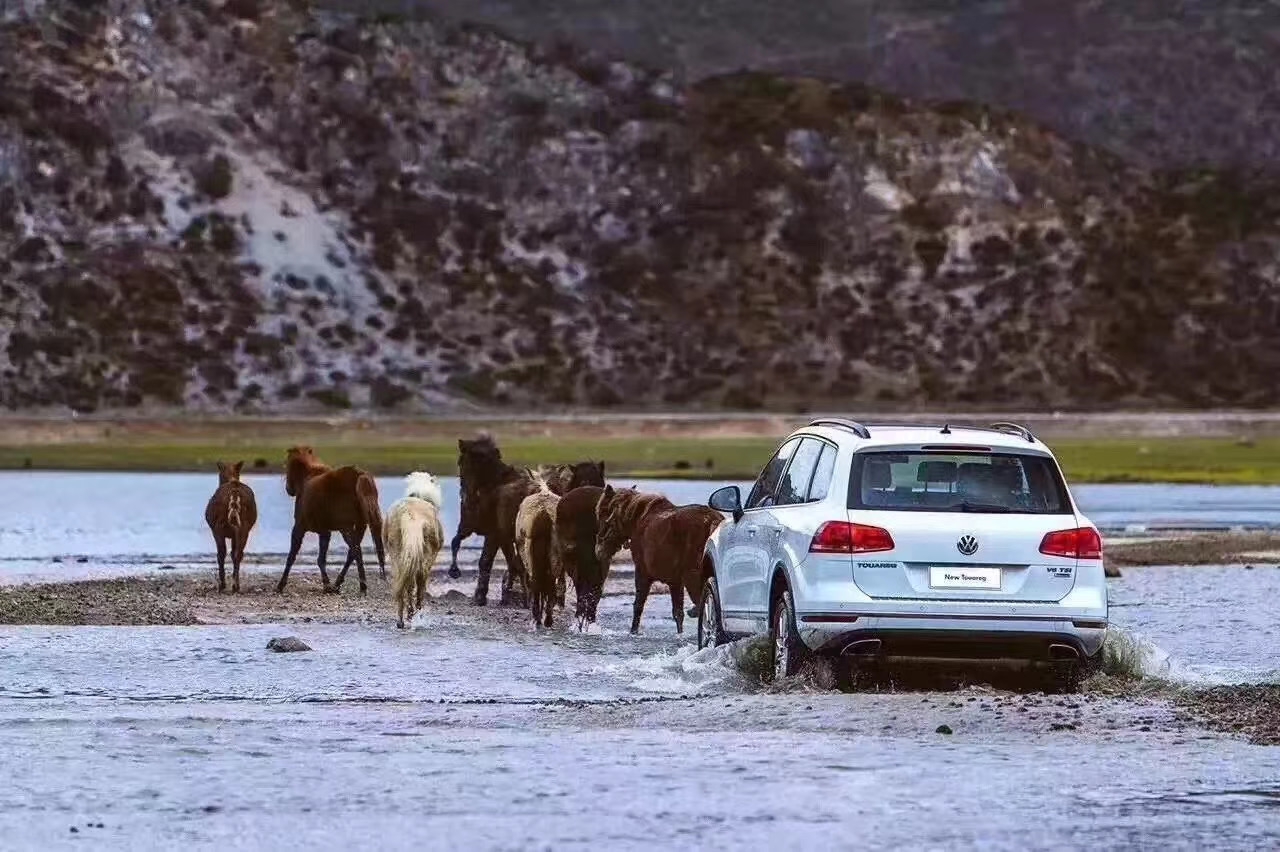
{"type": "Point", "coordinates": [1241, 448]}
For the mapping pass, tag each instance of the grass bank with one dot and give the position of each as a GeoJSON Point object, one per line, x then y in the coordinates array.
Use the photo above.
{"type": "Point", "coordinates": [1217, 461]}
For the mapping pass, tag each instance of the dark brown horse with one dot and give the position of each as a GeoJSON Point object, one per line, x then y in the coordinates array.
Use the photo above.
{"type": "Point", "coordinates": [576, 538]}
{"type": "Point", "coordinates": [492, 492]}
{"type": "Point", "coordinates": [231, 514]}
{"type": "Point", "coordinates": [327, 499]}
{"type": "Point", "coordinates": [666, 544]}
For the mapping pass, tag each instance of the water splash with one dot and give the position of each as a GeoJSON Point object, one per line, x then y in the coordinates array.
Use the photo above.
{"type": "Point", "coordinates": [733, 667]}
{"type": "Point", "coordinates": [1127, 654]}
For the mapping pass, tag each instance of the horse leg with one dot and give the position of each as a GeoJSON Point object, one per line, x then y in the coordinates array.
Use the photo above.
{"type": "Point", "coordinates": [355, 542]}
{"type": "Point", "coordinates": [408, 597]}
{"type": "Point", "coordinates": [515, 568]}
{"type": "Point", "coordinates": [237, 555]}
{"type": "Point", "coordinates": [677, 605]}
{"type": "Point", "coordinates": [295, 544]}
{"type": "Point", "coordinates": [642, 594]}
{"type": "Point", "coordinates": [343, 573]}
{"type": "Point", "coordinates": [454, 571]}
{"type": "Point", "coordinates": [560, 586]}
{"type": "Point", "coordinates": [222, 562]}
{"type": "Point", "coordinates": [486, 566]}
{"type": "Point", "coordinates": [375, 533]}
{"type": "Point", "coordinates": [324, 553]}
{"type": "Point", "coordinates": [535, 605]}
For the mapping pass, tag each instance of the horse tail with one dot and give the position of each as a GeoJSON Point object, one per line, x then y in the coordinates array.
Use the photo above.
{"type": "Point", "coordinates": [367, 496]}
{"type": "Point", "coordinates": [411, 529]}
{"type": "Point", "coordinates": [541, 567]}
{"type": "Point", "coordinates": [233, 512]}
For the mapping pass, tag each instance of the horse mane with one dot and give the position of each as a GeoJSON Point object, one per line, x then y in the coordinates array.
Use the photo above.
{"type": "Point", "coordinates": [480, 463]}
{"type": "Point", "coordinates": [425, 487]}
{"type": "Point", "coordinates": [540, 480]}
{"type": "Point", "coordinates": [635, 504]}
{"type": "Point", "coordinates": [301, 463]}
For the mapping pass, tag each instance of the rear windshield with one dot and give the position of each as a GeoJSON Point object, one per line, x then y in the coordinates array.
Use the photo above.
{"type": "Point", "coordinates": [960, 482]}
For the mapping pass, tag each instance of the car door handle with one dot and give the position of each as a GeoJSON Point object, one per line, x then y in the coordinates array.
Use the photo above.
{"type": "Point", "coordinates": [751, 530]}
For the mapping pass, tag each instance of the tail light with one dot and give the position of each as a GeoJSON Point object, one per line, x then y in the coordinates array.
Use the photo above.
{"type": "Point", "coordinates": [1079, 543]}
{"type": "Point", "coordinates": [843, 537]}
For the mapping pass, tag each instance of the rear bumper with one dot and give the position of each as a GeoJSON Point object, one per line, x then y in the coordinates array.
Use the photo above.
{"type": "Point", "coordinates": [950, 637]}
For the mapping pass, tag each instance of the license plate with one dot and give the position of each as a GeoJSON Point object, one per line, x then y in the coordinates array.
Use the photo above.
{"type": "Point", "coordinates": [964, 578]}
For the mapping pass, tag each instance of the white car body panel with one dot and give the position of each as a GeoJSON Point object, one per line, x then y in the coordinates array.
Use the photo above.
{"type": "Point", "coordinates": [839, 597]}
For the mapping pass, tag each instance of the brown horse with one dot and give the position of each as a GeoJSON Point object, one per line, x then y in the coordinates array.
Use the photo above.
{"type": "Point", "coordinates": [666, 544]}
{"type": "Point", "coordinates": [492, 492]}
{"type": "Point", "coordinates": [327, 499]}
{"type": "Point", "coordinates": [576, 539]}
{"type": "Point", "coordinates": [231, 514]}
{"type": "Point", "coordinates": [480, 465]}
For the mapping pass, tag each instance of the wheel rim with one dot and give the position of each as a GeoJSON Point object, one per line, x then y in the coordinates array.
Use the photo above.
{"type": "Point", "coordinates": [707, 625]}
{"type": "Point", "coordinates": [781, 641]}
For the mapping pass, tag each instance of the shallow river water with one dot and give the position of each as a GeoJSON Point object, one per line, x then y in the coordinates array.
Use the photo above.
{"type": "Point", "coordinates": [474, 732]}
{"type": "Point", "coordinates": [120, 523]}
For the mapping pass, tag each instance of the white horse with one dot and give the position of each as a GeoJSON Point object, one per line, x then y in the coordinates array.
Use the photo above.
{"type": "Point", "coordinates": [414, 536]}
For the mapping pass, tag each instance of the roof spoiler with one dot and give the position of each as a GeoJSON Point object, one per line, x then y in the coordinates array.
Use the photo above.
{"type": "Point", "coordinates": [842, 423]}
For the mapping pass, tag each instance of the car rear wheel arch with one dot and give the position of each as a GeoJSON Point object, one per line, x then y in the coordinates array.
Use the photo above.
{"type": "Point", "coordinates": [708, 568]}
{"type": "Point", "coordinates": [778, 585]}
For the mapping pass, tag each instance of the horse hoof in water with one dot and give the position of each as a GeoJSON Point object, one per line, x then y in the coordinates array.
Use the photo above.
{"type": "Point", "coordinates": [454, 572]}
{"type": "Point", "coordinates": [329, 590]}
{"type": "Point", "coordinates": [479, 599]}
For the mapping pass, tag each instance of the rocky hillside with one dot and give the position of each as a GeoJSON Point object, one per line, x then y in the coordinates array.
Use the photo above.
{"type": "Point", "coordinates": [251, 205]}
{"type": "Point", "coordinates": [1168, 83]}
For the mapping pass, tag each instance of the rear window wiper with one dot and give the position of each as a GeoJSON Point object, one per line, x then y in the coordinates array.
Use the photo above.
{"type": "Point", "coordinates": [967, 506]}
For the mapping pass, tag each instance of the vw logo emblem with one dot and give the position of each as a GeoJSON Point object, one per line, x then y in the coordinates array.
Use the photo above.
{"type": "Point", "coordinates": [968, 545]}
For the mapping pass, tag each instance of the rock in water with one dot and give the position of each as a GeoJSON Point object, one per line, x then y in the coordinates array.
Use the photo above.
{"type": "Point", "coordinates": [943, 729]}
{"type": "Point", "coordinates": [287, 644]}
{"type": "Point", "coordinates": [453, 596]}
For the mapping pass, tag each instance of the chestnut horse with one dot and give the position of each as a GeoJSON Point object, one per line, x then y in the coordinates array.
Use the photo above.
{"type": "Point", "coordinates": [230, 514]}
{"type": "Point", "coordinates": [327, 499]}
{"type": "Point", "coordinates": [492, 492]}
{"type": "Point", "coordinates": [576, 539]}
{"type": "Point", "coordinates": [666, 544]}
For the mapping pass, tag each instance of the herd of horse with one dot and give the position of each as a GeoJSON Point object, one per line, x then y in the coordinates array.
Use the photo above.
{"type": "Point", "coordinates": [553, 524]}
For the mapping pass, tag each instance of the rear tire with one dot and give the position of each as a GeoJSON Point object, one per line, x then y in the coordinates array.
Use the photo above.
{"type": "Point", "coordinates": [789, 653]}
{"type": "Point", "coordinates": [710, 624]}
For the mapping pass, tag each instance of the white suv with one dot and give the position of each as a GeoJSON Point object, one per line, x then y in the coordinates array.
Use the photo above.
{"type": "Point", "coordinates": [908, 541]}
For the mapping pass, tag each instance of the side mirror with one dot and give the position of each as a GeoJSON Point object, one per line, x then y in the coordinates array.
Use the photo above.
{"type": "Point", "coordinates": [727, 499]}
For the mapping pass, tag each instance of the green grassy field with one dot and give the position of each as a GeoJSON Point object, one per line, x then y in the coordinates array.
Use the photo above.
{"type": "Point", "coordinates": [1186, 460]}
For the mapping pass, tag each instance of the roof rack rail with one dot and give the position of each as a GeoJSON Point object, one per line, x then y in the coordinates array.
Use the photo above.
{"type": "Point", "coordinates": [1014, 428]}
{"type": "Point", "coordinates": [840, 422]}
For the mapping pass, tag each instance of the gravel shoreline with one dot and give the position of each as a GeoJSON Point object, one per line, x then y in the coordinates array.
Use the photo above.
{"type": "Point", "coordinates": [1198, 549]}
